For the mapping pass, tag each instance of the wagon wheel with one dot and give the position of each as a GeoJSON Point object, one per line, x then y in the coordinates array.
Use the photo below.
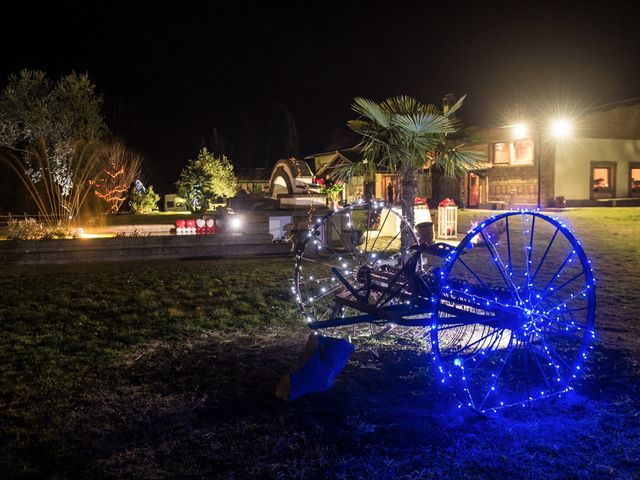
{"type": "Point", "coordinates": [514, 315]}
{"type": "Point", "coordinates": [337, 259]}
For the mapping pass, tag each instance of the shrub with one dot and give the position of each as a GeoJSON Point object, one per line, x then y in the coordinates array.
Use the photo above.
{"type": "Point", "coordinates": [31, 229]}
{"type": "Point", "coordinates": [144, 200]}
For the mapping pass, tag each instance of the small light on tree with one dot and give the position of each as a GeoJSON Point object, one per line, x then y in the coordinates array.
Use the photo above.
{"type": "Point", "coordinates": [122, 168]}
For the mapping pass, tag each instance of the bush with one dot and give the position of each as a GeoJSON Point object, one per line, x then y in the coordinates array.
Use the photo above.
{"type": "Point", "coordinates": [31, 229]}
{"type": "Point", "coordinates": [144, 201]}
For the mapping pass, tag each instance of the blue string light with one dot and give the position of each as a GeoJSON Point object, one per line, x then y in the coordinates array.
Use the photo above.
{"type": "Point", "coordinates": [531, 336]}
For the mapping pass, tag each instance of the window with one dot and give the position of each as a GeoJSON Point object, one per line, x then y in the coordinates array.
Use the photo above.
{"type": "Point", "coordinates": [519, 152]}
{"type": "Point", "coordinates": [634, 179]}
{"type": "Point", "coordinates": [523, 152]}
{"type": "Point", "coordinates": [501, 153]}
{"type": "Point", "coordinates": [603, 180]}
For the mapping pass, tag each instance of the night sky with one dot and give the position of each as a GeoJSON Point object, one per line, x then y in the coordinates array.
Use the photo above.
{"type": "Point", "coordinates": [170, 74]}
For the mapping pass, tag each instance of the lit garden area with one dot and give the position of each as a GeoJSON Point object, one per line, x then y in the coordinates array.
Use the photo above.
{"type": "Point", "coordinates": [168, 369]}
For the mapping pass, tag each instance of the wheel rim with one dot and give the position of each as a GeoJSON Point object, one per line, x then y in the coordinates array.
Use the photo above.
{"type": "Point", "coordinates": [358, 240]}
{"type": "Point", "coordinates": [513, 318]}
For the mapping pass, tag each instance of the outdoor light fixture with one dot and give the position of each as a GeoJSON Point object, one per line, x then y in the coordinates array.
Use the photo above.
{"type": "Point", "coordinates": [236, 223]}
{"type": "Point", "coordinates": [561, 128]}
{"type": "Point", "coordinates": [558, 129]}
{"type": "Point", "coordinates": [520, 130]}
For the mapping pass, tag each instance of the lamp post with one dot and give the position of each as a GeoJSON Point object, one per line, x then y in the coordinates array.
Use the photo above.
{"type": "Point", "coordinates": [559, 128]}
{"type": "Point", "coordinates": [538, 148]}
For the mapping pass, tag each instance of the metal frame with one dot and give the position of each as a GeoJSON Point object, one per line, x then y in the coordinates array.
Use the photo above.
{"type": "Point", "coordinates": [514, 318]}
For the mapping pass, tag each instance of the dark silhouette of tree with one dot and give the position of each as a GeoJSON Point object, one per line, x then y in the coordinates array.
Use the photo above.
{"type": "Point", "coordinates": [283, 135]}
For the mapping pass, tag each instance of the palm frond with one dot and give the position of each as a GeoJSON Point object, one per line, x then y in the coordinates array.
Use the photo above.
{"type": "Point", "coordinates": [424, 123]}
{"type": "Point", "coordinates": [455, 162]}
{"type": "Point", "coordinates": [401, 105]}
{"type": "Point", "coordinates": [347, 171]}
{"type": "Point", "coordinates": [371, 110]}
{"type": "Point", "coordinates": [457, 105]}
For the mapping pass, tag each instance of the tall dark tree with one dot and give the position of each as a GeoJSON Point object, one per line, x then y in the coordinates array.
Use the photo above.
{"type": "Point", "coordinates": [283, 135]}
{"type": "Point", "coordinates": [218, 146]}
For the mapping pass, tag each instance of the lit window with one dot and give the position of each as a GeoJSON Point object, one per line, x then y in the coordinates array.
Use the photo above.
{"type": "Point", "coordinates": [635, 180]}
{"type": "Point", "coordinates": [601, 180]}
{"type": "Point", "coordinates": [501, 153]}
{"type": "Point", "coordinates": [523, 152]}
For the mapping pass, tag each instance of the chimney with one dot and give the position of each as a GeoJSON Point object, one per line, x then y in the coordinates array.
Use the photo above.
{"type": "Point", "coordinates": [448, 101]}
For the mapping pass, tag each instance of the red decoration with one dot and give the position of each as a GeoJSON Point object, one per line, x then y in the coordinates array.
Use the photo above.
{"type": "Point", "coordinates": [190, 223]}
{"type": "Point", "coordinates": [447, 202]}
{"type": "Point", "coordinates": [180, 224]}
{"type": "Point", "coordinates": [421, 201]}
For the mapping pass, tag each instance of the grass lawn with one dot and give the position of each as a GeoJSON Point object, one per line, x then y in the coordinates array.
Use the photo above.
{"type": "Point", "coordinates": [167, 369]}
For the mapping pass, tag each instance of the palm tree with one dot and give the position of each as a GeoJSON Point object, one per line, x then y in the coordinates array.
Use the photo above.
{"type": "Point", "coordinates": [403, 136]}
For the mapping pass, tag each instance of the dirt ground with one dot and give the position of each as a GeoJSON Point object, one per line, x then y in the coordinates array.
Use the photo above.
{"type": "Point", "coordinates": [206, 409]}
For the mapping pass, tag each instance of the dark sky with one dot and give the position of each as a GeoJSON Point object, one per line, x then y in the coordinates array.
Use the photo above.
{"type": "Point", "coordinates": [169, 74]}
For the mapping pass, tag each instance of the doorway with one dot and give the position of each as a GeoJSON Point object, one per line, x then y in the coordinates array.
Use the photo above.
{"type": "Point", "coordinates": [474, 190]}
{"type": "Point", "coordinates": [394, 180]}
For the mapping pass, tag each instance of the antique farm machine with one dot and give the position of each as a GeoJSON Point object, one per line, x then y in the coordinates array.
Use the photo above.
{"type": "Point", "coordinates": [507, 314]}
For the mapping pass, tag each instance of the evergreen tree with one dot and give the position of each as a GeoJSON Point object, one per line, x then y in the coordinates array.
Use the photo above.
{"type": "Point", "coordinates": [283, 136]}
{"type": "Point", "coordinates": [205, 178]}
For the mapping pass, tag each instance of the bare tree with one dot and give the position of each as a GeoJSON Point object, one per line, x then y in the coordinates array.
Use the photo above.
{"type": "Point", "coordinates": [121, 168]}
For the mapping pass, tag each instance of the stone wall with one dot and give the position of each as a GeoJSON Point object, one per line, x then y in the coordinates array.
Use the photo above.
{"type": "Point", "coordinates": [138, 248]}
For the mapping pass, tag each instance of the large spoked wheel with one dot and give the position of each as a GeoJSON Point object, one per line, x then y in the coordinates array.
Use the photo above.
{"type": "Point", "coordinates": [513, 318]}
{"type": "Point", "coordinates": [351, 253]}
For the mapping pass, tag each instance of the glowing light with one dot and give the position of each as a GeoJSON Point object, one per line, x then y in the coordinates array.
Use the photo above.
{"type": "Point", "coordinates": [520, 130]}
{"type": "Point", "coordinates": [236, 223]}
{"type": "Point", "coordinates": [561, 128]}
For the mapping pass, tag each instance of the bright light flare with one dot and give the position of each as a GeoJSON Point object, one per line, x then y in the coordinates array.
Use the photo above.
{"type": "Point", "coordinates": [236, 223]}
{"type": "Point", "coordinates": [520, 130]}
{"type": "Point", "coordinates": [561, 128]}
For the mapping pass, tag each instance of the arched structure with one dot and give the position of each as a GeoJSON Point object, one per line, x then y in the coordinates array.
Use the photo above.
{"type": "Point", "coordinates": [290, 176]}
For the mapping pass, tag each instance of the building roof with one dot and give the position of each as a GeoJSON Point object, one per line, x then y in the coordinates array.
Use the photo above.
{"type": "Point", "coordinates": [628, 102]}
{"type": "Point", "coordinates": [253, 174]}
{"type": "Point", "coordinates": [353, 154]}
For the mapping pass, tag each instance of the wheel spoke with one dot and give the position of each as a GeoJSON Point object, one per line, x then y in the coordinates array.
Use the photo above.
{"type": "Point", "coordinates": [331, 262]}
{"type": "Point", "coordinates": [497, 375]}
{"type": "Point", "coordinates": [510, 266]}
{"type": "Point", "coordinates": [495, 258]}
{"type": "Point", "coordinates": [545, 253]}
{"type": "Point", "coordinates": [557, 274]}
{"type": "Point", "coordinates": [482, 282]}
{"type": "Point", "coordinates": [381, 228]}
{"type": "Point", "coordinates": [346, 247]}
{"type": "Point", "coordinates": [549, 319]}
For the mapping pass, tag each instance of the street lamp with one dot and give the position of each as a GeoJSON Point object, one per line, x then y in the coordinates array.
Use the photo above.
{"type": "Point", "coordinates": [559, 128]}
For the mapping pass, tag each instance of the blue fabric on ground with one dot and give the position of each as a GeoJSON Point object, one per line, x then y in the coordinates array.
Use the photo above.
{"type": "Point", "coordinates": [321, 368]}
